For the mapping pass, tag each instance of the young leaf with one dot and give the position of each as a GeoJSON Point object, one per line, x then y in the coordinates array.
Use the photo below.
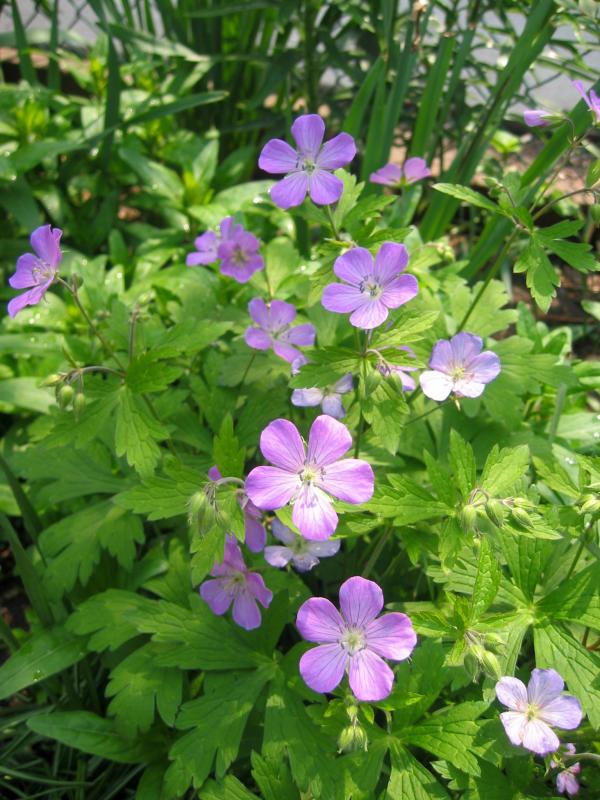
{"type": "Point", "coordinates": [487, 580]}
{"type": "Point", "coordinates": [227, 453]}
{"type": "Point", "coordinates": [469, 196]}
{"type": "Point", "coordinates": [137, 432]}
{"type": "Point", "coordinates": [462, 461]}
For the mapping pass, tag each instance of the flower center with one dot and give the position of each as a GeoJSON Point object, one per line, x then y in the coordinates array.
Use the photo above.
{"type": "Point", "coordinates": [310, 473]}
{"type": "Point", "coordinates": [238, 256]}
{"type": "Point", "coordinates": [532, 712]}
{"type": "Point", "coordinates": [42, 272]}
{"type": "Point", "coordinates": [354, 640]}
{"type": "Point", "coordinates": [308, 164]}
{"type": "Point", "coordinates": [457, 372]}
{"type": "Point", "coordinates": [236, 581]}
{"type": "Point", "coordinates": [371, 288]}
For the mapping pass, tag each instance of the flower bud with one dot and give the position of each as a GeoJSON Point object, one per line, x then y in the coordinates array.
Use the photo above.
{"type": "Point", "coordinates": [353, 739]}
{"type": "Point", "coordinates": [590, 503]}
{"type": "Point", "coordinates": [65, 395]}
{"type": "Point", "coordinates": [496, 511]}
{"type": "Point", "coordinates": [79, 403]}
{"type": "Point", "coordinates": [491, 665]}
{"type": "Point", "coordinates": [467, 516]}
{"type": "Point", "coordinates": [200, 508]}
{"type": "Point", "coordinates": [52, 380]}
{"type": "Point", "coordinates": [521, 517]}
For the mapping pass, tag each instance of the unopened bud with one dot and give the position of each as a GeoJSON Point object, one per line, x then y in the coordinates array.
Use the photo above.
{"type": "Point", "coordinates": [491, 665]}
{"type": "Point", "coordinates": [471, 665]}
{"type": "Point", "coordinates": [200, 508]}
{"type": "Point", "coordinates": [521, 517]}
{"type": "Point", "coordinates": [65, 395]}
{"type": "Point", "coordinates": [467, 517]}
{"type": "Point", "coordinates": [590, 503]}
{"type": "Point", "coordinates": [79, 403]}
{"type": "Point", "coordinates": [496, 511]}
{"type": "Point", "coordinates": [353, 739]}
{"type": "Point", "coordinates": [52, 380]}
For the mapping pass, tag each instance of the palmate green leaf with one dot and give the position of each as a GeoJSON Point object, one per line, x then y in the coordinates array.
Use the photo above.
{"type": "Point", "coordinates": [227, 453]}
{"type": "Point", "coordinates": [578, 255]}
{"type": "Point", "coordinates": [45, 653]}
{"type": "Point", "coordinates": [92, 734]}
{"type": "Point", "coordinates": [217, 721]}
{"type": "Point", "coordinates": [526, 559]}
{"type": "Point", "coordinates": [405, 502]}
{"type": "Point", "coordinates": [462, 461]}
{"type": "Point", "coordinates": [104, 618]}
{"type": "Point", "coordinates": [163, 496]}
{"type": "Point", "coordinates": [503, 469]}
{"type": "Point", "coordinates": [487, 580]}
{"type": "Point", "coordinates": [418, 684]}
{"type": "Point", "coordinates": [556, 648]}
{"type": "Point", "coordinates": [385, 409]}
{"type": "Point", "coordinates": [541, 276]}
{"type": "Point", "coordinates": [440, 480]}
{"type": "Point", "coordinates": [137, 684]}
{"type": "Point", "coordinates": [229, 789]}
{"type": "Point", "coordinates": [137, 432]}
{"type": "Point", "coordinates": [147, 374]}
{"type": "Point", "coordinates": [489, 315]}
{"type": "Point", "coordinates": [469, 196]}
{"type": "Point", "coordinates": [408, 327]}
{"type": "Point", "coordinates": [410, 780]}
{"type": "Point", "coordinates": [206, 547]}
{"type": "Point", "coordinates": [576, 600]}
{"type": "Point", "coordinates": [326, 367]}
{"type": "Point", "coordinates": [273, 778]}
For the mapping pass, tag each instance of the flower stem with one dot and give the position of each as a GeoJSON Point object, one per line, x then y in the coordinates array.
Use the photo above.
{"type": "Point", "coordinates": [334, 227]}
{"type": "Point", "coordinates": [383, 539]}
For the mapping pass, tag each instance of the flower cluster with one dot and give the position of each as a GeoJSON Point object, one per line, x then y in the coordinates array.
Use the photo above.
{"type": "Point", "coordinates": [236, 248]}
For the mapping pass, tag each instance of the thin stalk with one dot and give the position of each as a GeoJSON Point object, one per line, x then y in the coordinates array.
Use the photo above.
{"type": "Point", "coordinates": [334, 227]}
{"type": "Point", "coordinates": [576, 559]}
{"type": "Point", "coordinates": [427, 413]}
{"type": "Point", "coordinates": [383, 540]}
{"type": "Point", "coordinates": [359, 432]}
{"type": "Point", "coordinates": [549, 205]}
{"type": "Point", "coordinates": [560, 402]}
{"type": "Point", "coordinates": [247, 370]}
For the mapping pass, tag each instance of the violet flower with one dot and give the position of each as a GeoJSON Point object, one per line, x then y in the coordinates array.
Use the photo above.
{"type": "Point", "coordinates": [592, 100]}
{"type": "Point", "coordinates": [400, 370]}
{"type": "Point", "coordinates": [413, 170]}
{"type": "Point", "coordinates": [235, 584]}
{"type": "Point", "coordinates": [274, 321]}
{"type": "Point", "coordinates": [255, 533]}
{"type": "Point", "coordinates": [370, 289]}
{"type": "Point", "coordinates": [300, 552]}
{"type": "Point", "coordinates": [36, 272]}
{"type": "Point", "coordinates": [307, 479]}
{"type": "Point", "coordinates": [566, 782]}
{"type": "Point", "coordinates": [533, 709]}
{"type": "Point", "coordinates": [235, 247]}
{"type": "Point", "coordinates": [354, 640]}
{"type": "Point", "coordinates": [308, 168]}
{"type": "Point", "coordinates": [459, 366]}
{"type": "Point", "coordinates": [329, 398]}
{"type": "Point", "coordinates": [536, 117]}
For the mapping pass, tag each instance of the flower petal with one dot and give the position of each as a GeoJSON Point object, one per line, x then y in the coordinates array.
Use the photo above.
{"type": "Point", "coordinates": [337, 152]}
{"type": "Point", "coordinates": [308, 131]}
{"type": "Point", "coordinates": [441, 356]}
{"type": "Point", "coordinates": [324, 187]}
{"type": "Point", "coordinates": [332, 406]}
{"type": "Point", "coordinates": [370, 314]}
{"type": "Point", "coordinates": [512, 693]}
{"type": "Point", "coordinates": [258, 589]}
{"type": "Point", "coordinates": [341, 299]}
{"type": "Point", "coordinates": [24, 276]}
{"type": "Point", "coordinates": [514, 724]}
{"type": "Point", "coordinates": [281, 314]}
{"type": "Point", "coordinates": [544, 686]}
{"type": "Point", "coordinates": [391, 636]}
{"type": "Point", "coordinates": [325, 549]}
{"type": "Point", "coordinates": [564, 712]}
{"type": "Point", "coordinates": [258, 310]}
{"type": "Point", "coordinates": [313, 514]}
{"type": "Point", "coordinates": [466, 387]}
{"type": "Point", "coordinates": [361, 601]}
{"type": "Point", "coordinates": [370, 677]}
{"type": "Point", "coordinates": [581, 89]}
{"type": "Point", "coordinates": [233, 558]}
{"type": "Point", "coordinates": [278, 556]}
{"type": "Point", "coordinates": [29, 298]}
{"type": "Point", "coordinates": [322, 668]}
{"type": "Point", "coordinates": [328, 441]}
{"type": "Point", "coordinates": [45, 242]}
{"type": "Point", "coordinates": [278, 157]}
{"type": "Point", "coordinates": [390, 261]}
{"type": "Point", "coordinates": [307, 398]}
{"type": "Point", "coordinates": [214, 594]}
{"type": "Point", "coordinates": [415, 169]}
{"type": "Point", "coordinates": [318, 620]}
{"type": "Point", "coordinates": [270, 487]}
{"type": "Point", "coordinates": [344, 384]}
{"type": "Point", "coordinates": [256, 535]}
{"type": "Point", "coordinates": [465, 346]}
{"type": "Point", "coordinates": [285, 351]}
{"type": "Point", "coordinates": [300, 335]}
{"type": "Point", "coordinates": [400, 291]}
{"type": "Point", "coordinates": [354, 266]}
{"type": "Point", "coordinates": [485, 367]}
{"type": "Point", "coordinates": [389, 175]}
{"type": "Point", "coordinates": [258, 339]}
{"type": "Point", "coordinates": [303, 562]}
{"type": "Point", "coordinates": [350, 479]}
{"type": "Point", "coordinates": [280, 443]}
{"type": "Point", "coordinates": [291, 191]}
{"type": "Point", "coordinates": [246, 613]}
{"type": "Point", "coordinates": [282, 532]}
{"type": "Point", "coordinates": [539, 738]}
{"type": "Point", "coordinates": [435, 385]}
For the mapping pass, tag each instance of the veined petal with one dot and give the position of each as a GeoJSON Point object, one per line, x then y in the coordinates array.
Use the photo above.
{"type": "Point", "coordinates": [391, 636]}
{"type": "Point", "coordinates": [341, 299]}
{"type": "Point", "coordinates": [512, 693]}
{"type": "Point", "coordinates": [544, 686]}
{"type": "Point", "coordinates": [256, 535]}
{"type": "Point", "coordinates": [581, 89]}
{"type": "Point", "coordinates": [29, 298]}
{"type": "Point", "coordinates": [389, 175]}
{"type": "Point", "coordinates": [278, 157]}
{"type": "Point", "coordinates": [466, 387]}
{"type": "Point", "coordinates": [350, 479]}
{"type": "Point", "coordinates": [303, 562]}
{"type": "Point", "coordinates": [435, 385]}
{"type": "Point", "coordinates": [285, 351]}
{"type": "Point", "coordinates": [322, 668]}
{"type": "Point", "coordinates": [441, 356]}
{"type": "Point", "coordinates": [324, 187]}
{"type": "Point", "coordinates": [281, 444]}
{"type": "Point", "coordinates": [270, 487]}
{"type": "Point", "coordinates": [370, 677]}
{"type": "Point", "coordinates": [370, 314]}
{"type": "Point", "coordinates": [281, 314]}
{"type": "Point", "coordinates": [514, 724]}
{"type": "Point", "coordinates": [354, 265]}
{"type": "Point", "coordinates": [300, 335]}
{"type": "Point", "coordinates": [390, 261]}
{"type": "Point", "coordinates": [415, 169]}
{"type": "Point", "coordinates": [399, 291]}
{"type": "Point", "coordinates": [308, 131]}
{"type": "Point", "coordinates": [257, 308]}
{"type": "Point", "coordinates": [282, 532]}
{"type": "Point", "coordinates": [45, 241]}
{"type": "Point", "coordinates": [465, 346]}
{"type": "Point", "coordinates": [24, 276]}
{"type": "Point", "coordinates": [337, 152]}
{"type": "Point", "coordinates": [313, 514]}
{"type": "Point", "coordinates": [344, 384]}
{"type": "Point", "coordinates": [258, 589]}
{"type": "Point", "coordinates": [328, 441]}
{"type": "Point", "coordinates": [325, 549]}
{"type": "Point", "coordinates": [563, 712]}
{"type": "Point", "coordinates": [361, 601]}
{"type": "Point", "coordinates": [214, 594]}
{"type": "Point", "coordinates": [307, 398]}
{"type": "Point", "coordinates": [539, 738]}
{"type": "Point", "coordinates": [332, 406]}
{"type": "Point", "coordinates": [258, 339]}
{"type": "Point", "coordinates": [485, 367]}
{"type": "Point", "coordinates": [318, 620]}
{"type": "Point", "coordinates": [291, 191]}
{"type": "Point", "coordinates": [246, 613]}
{"type": "Point", "coordinates": [278, 556]}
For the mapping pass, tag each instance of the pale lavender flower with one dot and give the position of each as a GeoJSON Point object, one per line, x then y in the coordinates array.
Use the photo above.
{"type": "Point", "coordinates": [329, 398]}
{"type": "Point", "coordinates": [308, 168]}
{"type": "Point", "coordinates": [533, 709]}
{"type": "Point", "coordinates": [234, 583]}
{"type": "Point", "coordinates": [536, 117]}
{"type": "Point", "coordinates": [255, 533]}
{"type": "Point", "coordinates": [274, 329]}
{"type": "Point", "coordinates": [400, 370]}
{"type": "Point", "coordinates": [592, 100]}
{"type": "Point", "coordinates": [459, 366]}
{"type": "Point", "coordinates": [236, 248]}
{"type": "Point", "coordinates": [413, 170]}
{"type": "Point", "coordinates": [36, 272]}
{"type": "Point", "coordinates": [307, 479]}
{"type": "Point", "coordinates": [566, 782]}
{"type": "Point", "coordinates": [370, 288]}
{"type": "Point", "coordinates": [300, 552]}
{"type": "Point", "coordinates": [355, 640]}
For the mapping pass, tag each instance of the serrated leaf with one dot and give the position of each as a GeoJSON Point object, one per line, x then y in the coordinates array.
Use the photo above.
{"type": "Point", "coordinates": [410, 780]}
{"type": "Point", "coordinates": [503, 469]}
{"type": "Point", "coordinates": [469, 196]}
{"type": "Point", "coordinates": [487, 580]}
{"type": "Point", "coordinates": [229, 789]}
{"type": "Point", "coordinates": [227, 453]}
{"type": "Point", "coordinates": [146, 374]}
{"type": "Point", "coordinates": [105, 619]}
{"type": "Point", "coordinates": [541, 277]}
{"type": "Point", "coordinates": [162, 496]}
{"type": "Point", "coordinates": [137, 432]}
{"type": "Point", "coordinates": [405, 502]}
{"type": "Point", "coordinates": [326, 367]}
{"type": "Point", "coordinates": [462, 461]}
{"type": "Point", "coordinates": [273, 778]}
{"type": "Point", "coordinates": [576, 600]}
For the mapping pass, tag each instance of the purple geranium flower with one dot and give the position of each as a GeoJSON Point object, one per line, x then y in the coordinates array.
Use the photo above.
{"type": "Point", "coordinates": [371, 289]}
{"type": "Point", "coordinates": [353, 640]}
{"type": "Point", "coordinates": [236, 248]}
{"type": "Point", "coordinates": [255, 533]}
{"type": "Point", "coordinates": [413, 170]}
{"type": "Point", "coordinates": [566, 782]}
{"type": "Point", "coordinates": [235, 584]}
{"type": "Point", "coordinates": [536, 117]}
{"type": "Point", "coordinates": [301, 553]}
{"type": "Point", "coordinates": [533, 709]}
{"type": "Point", "coordinates": [459, 366]}
{"type": "Point", "coordinates": [592, 101]}
{"type": "Point", "coordinates": [274, 329]}
{"type": "Point", "coordinates": [36, 272]}
{"type": "Point", "coordinates": [329, 398]}
{"type": "Point", "coordinates": [306, 479]}
{"type": "Point", "coordinates": [307, 169]}
{"type": "Point", "coordinates": [400, 370]}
